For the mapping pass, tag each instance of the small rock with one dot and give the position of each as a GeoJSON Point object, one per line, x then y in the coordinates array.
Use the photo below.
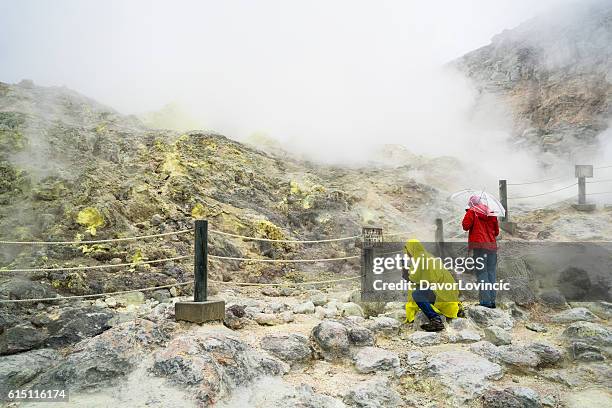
{"type": "Point", "coordinates": [330, 339]}
{"type": "Point", "coordinates": [574, 315]}
{"type": "Point", "coordinates": [290, 348]}
{"type": "Point", "coordinates": [351, 309]}
{"type": "Point", "coordinates": [157, 219]}
{"type": "Point", "coordinates": [586, 352]}
{"type": "Point", "coordinates": [360, 336]}
{"type": "Point", "coordinates": [271, 291]}
{"type": "Point", "coordinates": [536, 327]}
{"type": "Point", "coordinates": [383, 324]}
{"type": "Point", "coordinates": [461, 324]}
{"type": "Point", "coordinates": [485, 317]}
{"type": "Point", "coordinates": [373, 394]}
{"type": "Point", "coordinates": [422, 338]}
{"type": "Point", "coordinates": [497, 335]}
{"type": "Point", "coordinates": [372, 359]}
{"type": "Point", "coordinates": [175, 291]}
{"type": "Point", "coordinates": [162, 295]}
{"type": "Point", "coordinates": [110, 301]}
{"type": "Point", "coordinates": [266, 319]}
{"type": "Point", "coordinates": [464, 336]}
{"type": "Point", "coordinates": [132, 298]}
{"type": "Point", "coordinates": [512, 397]}
{"type": "Point", "coordinates": [287, 316]}
{"type": "Point", "coordinates": [553, 299]}
{"type": "Point", "coordinates": [286, 291]}
{"type": "Point", "coordinates": [304, 308]}
{"type": "Point", "coordinates": [318, 298]}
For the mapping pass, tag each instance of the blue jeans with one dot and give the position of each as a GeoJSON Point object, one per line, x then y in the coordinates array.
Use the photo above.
{"type": "Point", "coordinates": [486, 274]}
{"type": "Point", "coordinates": [424, 299]}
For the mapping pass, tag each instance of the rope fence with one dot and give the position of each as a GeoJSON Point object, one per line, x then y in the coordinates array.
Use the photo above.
{"type": "Point", "coordinates": [97, 241]}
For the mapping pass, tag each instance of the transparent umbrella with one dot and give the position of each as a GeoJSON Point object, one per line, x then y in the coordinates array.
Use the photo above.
{"type": "Point", "coordinates": [480, 201]}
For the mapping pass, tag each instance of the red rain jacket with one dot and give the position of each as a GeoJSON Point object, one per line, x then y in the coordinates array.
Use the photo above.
{"type": "Point", "coordinates": [483, 230]}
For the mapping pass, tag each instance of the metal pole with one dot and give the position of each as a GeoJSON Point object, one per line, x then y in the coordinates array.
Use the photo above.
{"type": "Point", "coordinates": [581, 190]}
{"type": "Point", "coordinates": [201, 261]}
{"type": "Point", "coordinates": [503, 196]}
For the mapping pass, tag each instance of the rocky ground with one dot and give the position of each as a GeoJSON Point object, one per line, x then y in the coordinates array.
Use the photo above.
{"type": "Point", "coordinates": [288, 347]}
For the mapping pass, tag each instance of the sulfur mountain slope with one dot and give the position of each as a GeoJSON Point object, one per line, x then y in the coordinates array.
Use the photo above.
{"type": "Point", "coordinates": [554, 73]}
{"type": "Point", "coordinates": [73, 169]}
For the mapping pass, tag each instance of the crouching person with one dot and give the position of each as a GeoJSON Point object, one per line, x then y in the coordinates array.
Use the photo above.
{"type": "Point", "coordinates": [433, 303]}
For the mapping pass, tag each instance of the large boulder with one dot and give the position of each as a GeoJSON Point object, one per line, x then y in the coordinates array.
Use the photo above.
{"type": "Point", "coordinates": [373, 394]}
{"type": "Point", "coordinates": [486, 317]}
{"type": "Point", "coordinates": [529, 357]}
{"type": "Point", "coordinates": [21, 337]}
{"type": "Point", "coordinates": [19, 369]}
{"type": "Point", "coordinates": [212, 363]}
{"type": "Point", "coordinates": [18, 288]}
{"type": "Point", "coordinates": [106, 359]}
{"type": "Point", "coordinates": [497, 335]}
{"type": "Point", "coordinates": [590, 333]}
{"type": "Point", "coordinates": [574, 315]}
{"type": "Point", "coordinates": [330, 340]}
{"type": "Point", "coordinates": [372, 359]}
{"type": "Point", "coordinates": [289, 347]}
{"type": "Point", "coordinates": [464, 375]}
{"type": "Point", "coordinates": [76, 324]}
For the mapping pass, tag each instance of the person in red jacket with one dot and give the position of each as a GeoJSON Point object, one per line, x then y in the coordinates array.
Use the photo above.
{"type": "Point", "coordinates": [483, 229]}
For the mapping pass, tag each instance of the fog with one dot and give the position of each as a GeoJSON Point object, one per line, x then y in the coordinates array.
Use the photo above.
{"type": "Point", "coordinates": [329, 80]}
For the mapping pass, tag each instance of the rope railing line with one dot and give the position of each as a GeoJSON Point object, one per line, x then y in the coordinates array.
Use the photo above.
{"type": "Point", "coordinates": [96, 241]}
{"type": "Point", "coordinates": [234, 258]}
{"type": "Point", "coordinates": [151, 288]}
{"type": "Point", "coordinates": [535, 181]}
{"type": "Point", "coordinates": [148, 289]}
{"type": "Point", "coordinates": [602, 192]}
{"type": "Point", "coordinates": [284, 240]}
{"type": "Point", "coordinates": [76, 268]}
{"type": "Point", "coordinates": [286, 283]}
{"type": "Point", "coordinates": [542, 194]}
{"type": "Point", "coordinates": [599, 181]}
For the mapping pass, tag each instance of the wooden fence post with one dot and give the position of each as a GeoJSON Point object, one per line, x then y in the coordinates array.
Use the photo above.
{"type": "Point", "coordinates": [201, 309]}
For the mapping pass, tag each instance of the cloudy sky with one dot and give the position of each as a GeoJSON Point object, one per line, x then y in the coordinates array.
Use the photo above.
{"type": "Point", "coordinates": [326, 74]}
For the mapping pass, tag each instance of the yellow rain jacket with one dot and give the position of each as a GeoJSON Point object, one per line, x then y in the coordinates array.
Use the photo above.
{"type": "Point", "coordinates": [447, 301]}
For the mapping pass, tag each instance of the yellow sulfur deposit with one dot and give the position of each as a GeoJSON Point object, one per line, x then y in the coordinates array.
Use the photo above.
{"type": "Point", "coordinates": [91, 218]}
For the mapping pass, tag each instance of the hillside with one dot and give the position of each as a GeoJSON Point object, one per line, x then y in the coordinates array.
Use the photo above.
{"type": "Point", "coordinates": [553, 72]}
{"type": "Point", "coordinates": [76, 170]}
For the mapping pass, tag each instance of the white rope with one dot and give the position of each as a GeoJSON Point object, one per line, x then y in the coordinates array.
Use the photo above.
{"type": "Point", "coordinates": [284, 240]}
{"type": "Point", "coordinates": [541, 194]}
{"type": "Point", "coordinates": [95, 295]}
{"type": "Point", "coordinates": [97, 241]}
{"type": "Point", "coordinates": [171, 286]}
{"type": "Point", "coordinates": [232, 258]}
{"type": "Point", "coordinates": [76, 268]}
{"type": "Point", "coordinates": [285, 283]}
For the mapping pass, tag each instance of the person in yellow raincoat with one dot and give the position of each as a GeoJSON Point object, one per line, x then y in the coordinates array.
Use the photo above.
{"type": "Point", "coordinates": [431, 302]}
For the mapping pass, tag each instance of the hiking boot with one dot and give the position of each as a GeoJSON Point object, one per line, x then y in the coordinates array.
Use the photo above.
{"type": "Point", "coordinates": [434, 325]}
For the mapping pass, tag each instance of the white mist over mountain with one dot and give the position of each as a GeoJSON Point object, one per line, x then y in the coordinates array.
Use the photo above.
{"type": "Point", "coordinates": [330, 80]}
